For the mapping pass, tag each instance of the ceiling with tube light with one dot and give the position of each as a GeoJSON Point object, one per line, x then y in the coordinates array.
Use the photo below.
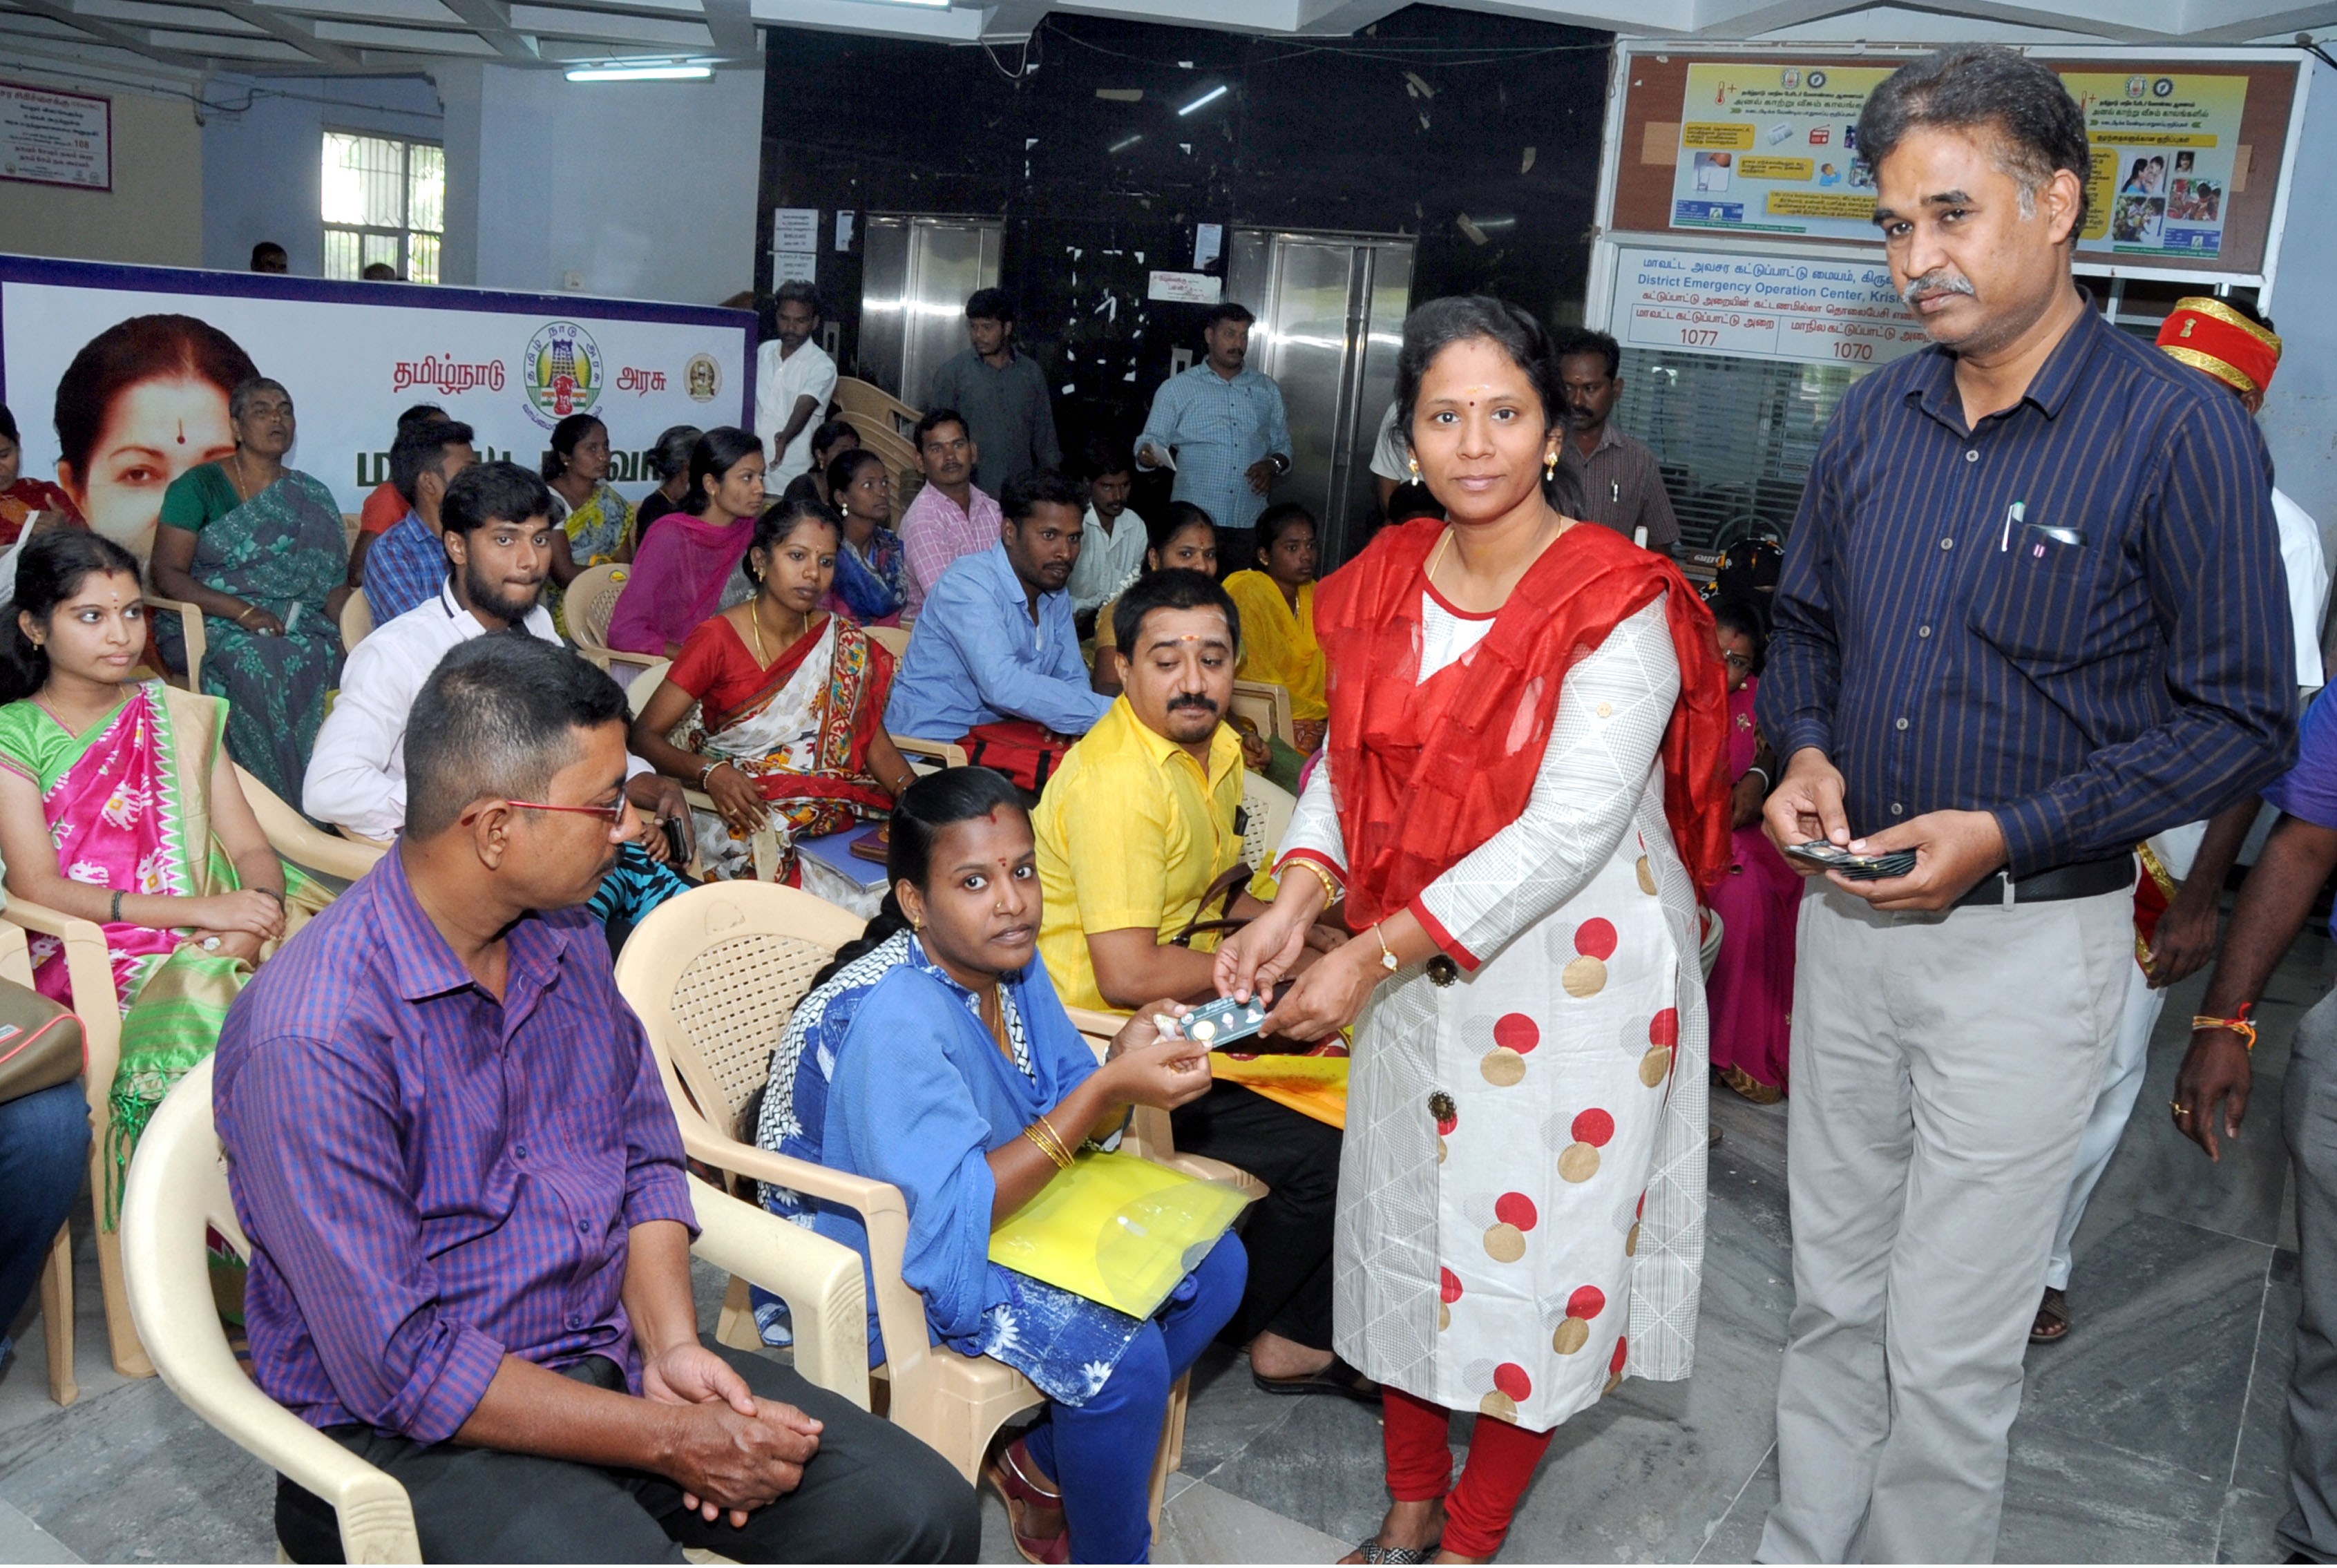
{"type": "Point", "coordinates": [181, 42]}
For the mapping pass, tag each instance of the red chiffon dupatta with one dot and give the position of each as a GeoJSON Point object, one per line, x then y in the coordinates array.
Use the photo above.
{"type": "Point", "coordinates": [1428, 771]}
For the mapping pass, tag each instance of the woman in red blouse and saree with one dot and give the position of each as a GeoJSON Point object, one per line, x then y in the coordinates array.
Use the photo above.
{"type": "Point", "coordinates": [1521, 795]}
{"type": "Point", "coordinates": [779, 707]}
{"type": "Point", "coordinates": [22, 500]}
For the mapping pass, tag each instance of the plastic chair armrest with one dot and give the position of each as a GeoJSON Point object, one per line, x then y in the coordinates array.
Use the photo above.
{"type": "Point", "coordinates": [191, 628]}
{"type": "Point", "coordinates": [763, 845]}
{"type": "Point", "coordinates": [167, 1271]}
{"type": "Point", "coordinates": [900, 1311]}
{"type": "Point", "coordinates": [940, 754]}
{"type": "Point", "coordinates": [293, 836]}
{"type": "Point", "coordinates": [821, 1281]}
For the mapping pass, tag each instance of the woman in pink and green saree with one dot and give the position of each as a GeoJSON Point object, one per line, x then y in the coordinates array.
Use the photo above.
{"type": "Point", "coordinates": [118, 805]}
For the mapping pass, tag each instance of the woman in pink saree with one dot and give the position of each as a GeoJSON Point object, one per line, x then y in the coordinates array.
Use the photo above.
{"type": "Point", "coordinates": [1751, 991]}
{"type": "Point", "coordinates": [118, 805]}
{"type": "Point", "coordinates": [687, 568]}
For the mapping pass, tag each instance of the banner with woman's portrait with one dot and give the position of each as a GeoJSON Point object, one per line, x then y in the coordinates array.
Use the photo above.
{"type": "Point", "coordinates": [119, 376]}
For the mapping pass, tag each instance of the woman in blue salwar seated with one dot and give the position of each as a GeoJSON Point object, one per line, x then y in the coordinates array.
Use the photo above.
{"type": "Point", "coordinates": [935, 1056]}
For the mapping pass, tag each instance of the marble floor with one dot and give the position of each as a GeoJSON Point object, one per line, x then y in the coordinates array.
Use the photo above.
{"type": "Point", "coordinates": [2153, 1433]}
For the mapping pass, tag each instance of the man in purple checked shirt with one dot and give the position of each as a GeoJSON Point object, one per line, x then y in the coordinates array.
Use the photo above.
{"type": "Point", "coordinates": [465, 1191]}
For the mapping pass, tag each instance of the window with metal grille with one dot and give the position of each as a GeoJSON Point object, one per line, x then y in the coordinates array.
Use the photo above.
{"type": "Point", "coordinates": [385, 201]}
{"type": "Point", "coordinates": [1734, 437]}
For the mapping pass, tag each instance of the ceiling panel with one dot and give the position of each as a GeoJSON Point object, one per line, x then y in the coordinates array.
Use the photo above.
{"type": "Point", "coordinates": [561, 22]}
{"type": "Point", "coordinates": [159, 14]}
{"type": "Point", "coordinates": [212, 45]}
{"type": "Point", "coordinates": [426, 11]}
{"type": "Point", "coordinates": [412, 39]}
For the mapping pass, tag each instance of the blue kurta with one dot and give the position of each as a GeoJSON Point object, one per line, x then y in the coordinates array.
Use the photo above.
{"type": "Point", "coordinates": [888, 1072]}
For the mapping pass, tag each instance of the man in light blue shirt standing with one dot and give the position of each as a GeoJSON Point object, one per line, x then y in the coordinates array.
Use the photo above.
{"type": "Point", "coordinates": [994, 661]}
{"type": "Point", "coordinates": [1223, 427]}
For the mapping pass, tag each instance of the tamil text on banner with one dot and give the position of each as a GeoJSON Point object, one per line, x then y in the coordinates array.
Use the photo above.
{"type": "Point", "coordinates": [2166, 150]}
{"type": "Point", "coordinates": [1771, 149]}
{"type": "Point", "coordinates": [1818, 312]}
{"type": "Point", "coordinates": [119, 376]}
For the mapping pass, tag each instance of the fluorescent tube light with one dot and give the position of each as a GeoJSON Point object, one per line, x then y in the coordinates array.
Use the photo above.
{"type": "Point", "coordinates": [640, 72]}
{"type": "Point", "coordinates": [1125, 144]}
{"type": "Point", "coordinates": [1211, 96]}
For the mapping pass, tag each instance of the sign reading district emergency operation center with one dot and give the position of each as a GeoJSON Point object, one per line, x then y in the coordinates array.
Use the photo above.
{"type": "Point", "coordinates": [1817, 312]}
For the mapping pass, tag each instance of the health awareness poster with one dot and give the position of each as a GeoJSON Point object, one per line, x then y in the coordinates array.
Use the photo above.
{"type": "Point", "coordinates": [1772, 147]}
{"type": "Point", "coordinates": [1769, 149]}
{"type": "Point", "coordinates": [2166, 147]}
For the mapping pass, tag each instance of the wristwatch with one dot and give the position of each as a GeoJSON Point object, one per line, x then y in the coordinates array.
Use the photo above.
{"type": "Point", "coordinates": [1388, 954]}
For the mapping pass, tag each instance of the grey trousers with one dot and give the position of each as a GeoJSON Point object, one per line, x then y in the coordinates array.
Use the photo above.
{"type": "Point", "coordinates": [2309, 1120]}
{"type": "Point", "coordinates": [1943, 1068]}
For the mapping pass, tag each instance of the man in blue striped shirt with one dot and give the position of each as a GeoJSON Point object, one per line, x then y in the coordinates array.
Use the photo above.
{"type": "Point", "coordinates": [2033, 612]}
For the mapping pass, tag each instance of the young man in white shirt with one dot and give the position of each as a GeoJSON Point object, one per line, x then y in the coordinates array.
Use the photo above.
{"type": "Point", "coordinates": [794, 380]}
{"type": "Point", "coordinates": [1111, 537]}
{"type": "Point", "coordinates": [497, 527]}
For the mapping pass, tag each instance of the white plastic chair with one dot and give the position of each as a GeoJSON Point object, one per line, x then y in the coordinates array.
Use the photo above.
{"type": "Point", "coordinates": [586, 606]}
{"type": "Point", "coordinates": [178, 1186]}
{"type": "Point", "coordinates": [89, 978]}
{"type": "Point", "coordinates": [715, 975]}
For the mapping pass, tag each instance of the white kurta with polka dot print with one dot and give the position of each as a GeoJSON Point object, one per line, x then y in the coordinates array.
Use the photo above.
{"type": "Point", "coordinates": [1521, 1218]}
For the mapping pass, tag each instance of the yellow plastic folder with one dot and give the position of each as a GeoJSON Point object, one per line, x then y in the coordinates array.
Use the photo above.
{"type": "Point", "coordinates": [1313, 1086]}
{"type": "Point", "coordinates": [1117, 1230]}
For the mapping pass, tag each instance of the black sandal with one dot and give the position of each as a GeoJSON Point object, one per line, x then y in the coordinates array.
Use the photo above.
{"type": "Point", "coordinates": [2051, 1325]}
{"type": "Point", "coordinates": [1373, 1552]}
{"type": "Point", "coordinates": [1339, 1377]}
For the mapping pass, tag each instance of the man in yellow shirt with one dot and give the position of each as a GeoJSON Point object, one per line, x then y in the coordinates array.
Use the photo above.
{"type": "Point", "coordinates": [1134, 830]}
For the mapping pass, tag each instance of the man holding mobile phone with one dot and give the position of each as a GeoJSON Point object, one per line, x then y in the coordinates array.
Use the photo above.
{"type": "Point", "coordinates": [2033, 612]}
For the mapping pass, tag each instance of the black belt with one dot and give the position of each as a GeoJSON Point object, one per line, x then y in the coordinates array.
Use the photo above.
{"type": "Point", "coordinates": [2085, 880]}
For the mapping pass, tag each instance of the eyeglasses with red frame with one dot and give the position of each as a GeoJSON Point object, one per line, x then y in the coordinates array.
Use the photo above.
{"type": "Point", "coordinates": [614, 815]}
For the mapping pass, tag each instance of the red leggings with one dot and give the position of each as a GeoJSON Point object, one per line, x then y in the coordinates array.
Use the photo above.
{"type": "Point", "coordinates": [1502, 1460]}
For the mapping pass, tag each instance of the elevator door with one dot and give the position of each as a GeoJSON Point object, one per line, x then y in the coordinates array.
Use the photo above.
{"type": "Point", "coordinates": [1330, 323]}
{"type": "Point", "coordinates": [916, 275]}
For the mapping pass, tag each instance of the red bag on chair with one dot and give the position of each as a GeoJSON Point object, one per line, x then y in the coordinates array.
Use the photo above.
{"type": "Point", "coordinates": [1019, 748]}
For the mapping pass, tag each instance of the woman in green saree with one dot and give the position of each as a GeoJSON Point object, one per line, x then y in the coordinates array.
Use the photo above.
{"type": "Point", "coordinates": [596, 523]}
{"type": "Point", "coordinates": [259, 548]}
{"type": "Point", "coordinates": [118, 805]}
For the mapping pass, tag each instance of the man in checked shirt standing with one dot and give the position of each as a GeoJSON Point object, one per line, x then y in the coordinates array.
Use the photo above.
{"type": "Point", "coordinates": [2032, 613]}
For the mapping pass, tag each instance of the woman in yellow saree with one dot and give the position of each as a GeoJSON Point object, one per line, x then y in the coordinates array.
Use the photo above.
{"type": "Point", "coordinates": [118, 805]}
{"type": "Point", "coordinates": [1277, 601]}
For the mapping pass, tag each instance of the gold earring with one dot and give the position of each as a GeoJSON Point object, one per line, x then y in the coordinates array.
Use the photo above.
{"type": "Point", "coordinates": [1414, 464]}
{"type": "Point", "coordinates": [1549, 468]}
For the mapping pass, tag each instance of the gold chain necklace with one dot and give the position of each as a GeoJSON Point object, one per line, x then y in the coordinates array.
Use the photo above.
{"type": "Point", "coordinates": [755, 619]}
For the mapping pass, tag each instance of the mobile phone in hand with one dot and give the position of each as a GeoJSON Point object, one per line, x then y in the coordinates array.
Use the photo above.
{"type": "Point", "coordinates": [1857, 868]}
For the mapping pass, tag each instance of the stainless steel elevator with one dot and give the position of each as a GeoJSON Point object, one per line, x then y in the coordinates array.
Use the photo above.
{"type": "Point", "coordinates": [1330, 312]}
{"type": "Point", "coordinates": [916, 274]}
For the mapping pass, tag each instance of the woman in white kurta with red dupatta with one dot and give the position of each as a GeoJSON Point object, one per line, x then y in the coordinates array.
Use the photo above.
{"type": "Point", "coordinates": [1523, 792]}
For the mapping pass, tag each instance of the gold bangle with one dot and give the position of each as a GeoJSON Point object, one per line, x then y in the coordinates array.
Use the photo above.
{"type": "Point", "coordinates": [1061, 1147]}
{"type": "Point", "coordinates": [1048, 1144]}
{"type": "Point", "coordinates": [1330, 886]}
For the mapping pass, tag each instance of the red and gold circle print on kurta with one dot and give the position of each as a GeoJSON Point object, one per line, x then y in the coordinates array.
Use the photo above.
{"type": "Point", "coordinates": [1514, 1215]}
{"type": "Point", "coordinates": [1585, 975]}
{"type": "Point", "coordinates": [1662, 1041]}
{"type": "Point", "coordinates": [1578, 1162]}
{"type": "Point", "coordinates": [1514, 1036]}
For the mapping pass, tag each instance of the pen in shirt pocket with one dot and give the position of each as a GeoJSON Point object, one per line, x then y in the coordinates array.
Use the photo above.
{"type": "Point", "coordinates": [2013, 515]}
